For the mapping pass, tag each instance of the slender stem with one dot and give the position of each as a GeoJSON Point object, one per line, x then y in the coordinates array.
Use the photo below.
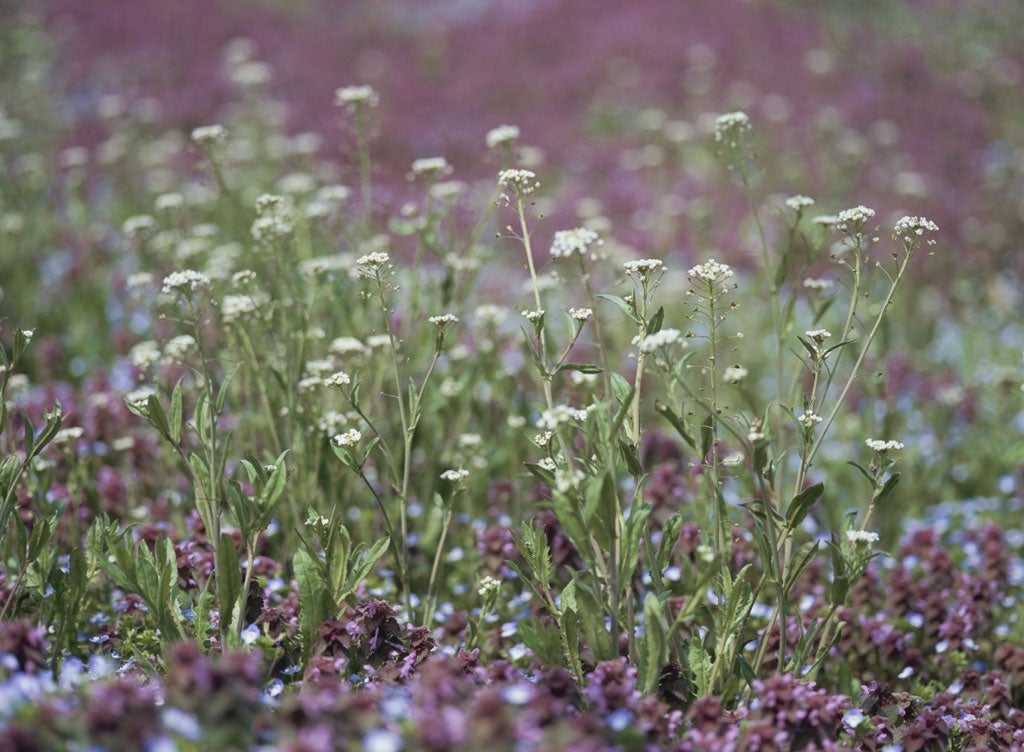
{"type": "Point", "coordinates": [431, 595]}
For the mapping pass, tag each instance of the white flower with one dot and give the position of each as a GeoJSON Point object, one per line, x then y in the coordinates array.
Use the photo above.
{"type": "Point", "coordinates": [817, 336]}
{"type": "Point", "coordinates": [490, 314]}
{"type": "Point", "coordinates": [881, 446]}
{"type": "Point", "coordinates": [317, 521]}
{"type": "Point", "coordinates": [444, 321]}
{"type": "Point", "coordinates": [431, 167]}
{"type": "Point", "coordinates": [66, 435]}
{"type": "Point", "coordinates": [809, 419]}
{"type": "Point", "coordinates": [347, 346]}
{"type": "Point", "coordinates": [503, 134]}
{"type": "Point", "coordinates": [581, 314]}
{"type": "Point", "coordinates": [661, 338]}
{"type": "Point", "coordinates": [372, 263]}
{"type": "Point", "coordinates": [169, 202]}
{"type": "Point", "coordinates": [337, 380]}
{"type": "Point", "coordinates": [353, 97]}
{"type": "Point", "coordinates": [534, 316]}
{"type": "Point", "coordinates": [734, 374]}
{"type": "Point", "coordinates": [188, 279]}
{"type": "Point", "coordinates": [140, 397]}
{"type": "Point", "coordinates": [852, 220]}
{"type": "Point", "coordinates": [350, 438]}
{"type": "Point", "coordinates": [522, 182]}
{"type": "Point", "coordinates": [209, 135]}
{"type": "Point", "coordinates": [334, 194]}
{"type": "Point", "coordinates": [178, 347]}
{"type": "Point", "coordinates": [455, 476]}
{"type": "Point", "coordinates": [488, 585]}
{"type": "Point", "coordinates": [799, 202]}
{"type": "Point", "coordinates": [730, 127]}
{"type": "Point", "coordinates": [144, 354]}
{"type": "Point", "coordinates": [909, 229]}
{"type": "Point", "coordinates": [547, 463]}
{"type": "Point", "coordinates": [135, 226]}
{"type": "Point", "coordinates": [861, 536]}
{"type": "Point", "coordinates": [235, 307]}
{"type": "Point", "coordinates": [643, 269]}
{"type": "Point", "coordinates": [710, 271]}
{"type": "Point", "coordinates": [578, 241]}
{"type": "Point", "coordinates": [818, 285]}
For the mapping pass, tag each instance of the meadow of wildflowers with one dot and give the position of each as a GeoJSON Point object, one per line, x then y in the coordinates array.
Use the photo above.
{"type": "Point", "coordinates": [531, 376]}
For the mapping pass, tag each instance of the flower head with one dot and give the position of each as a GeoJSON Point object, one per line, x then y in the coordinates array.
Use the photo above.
{"type": "Point", "coordinates": [910, 229]}
{"type": "Point", "coordinates": [503, 134]}
{"type": "Point", "coordinates": [734, 374]}
{"type": "Point", "coordinates": [852, 221]}
{"type": "Point", "coordinates": [188, 280]}
{"type": "Point", "coordinates": [567, 243]}
{"type": "Point", "coordinates": [520, 182]}
{"type": "Point", "coordinates": [731, 128]}
{"type": "Point", "coordinates": [643, 269]}
{"type": "Point", "coordinates": [710, 271]}
{"type": "Point", "coordinates": [861, 537]}
{"type": "Point", "coordinates": [350, 438]}
{"type": "Point", "coordinates": [798, 203]}
{"type": "Point", "coordinates": [355, 97]}
{"type": "Point", "coordinates": [455, 476]}
{"type": "Point", "coordinates": [881, 446]}
{"type": "Point", "coordinates": [209, 136]}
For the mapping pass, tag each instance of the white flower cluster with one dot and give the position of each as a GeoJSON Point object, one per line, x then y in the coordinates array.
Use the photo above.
{"type": "Point", "coordinates": [487, 586]}
{"type": "Point", "coordinates": [799, 202]}
{"type": "Point", "coordinates": [371, 264]}
{"type": "Point", "coordinates": [818, 285]}
{"type": "Point", "coordinates": [138, 225]}
{"type": "Point", "coordinates": [503, 134]}
{"type": "Point", "coordinates": [881, 446]}
{"type": "Point", "coordinates": [144, 354]}
{"type": "Point", "coordinates": [455, 476]}
{"type": "Point", "coordinates": [522, 182]}
{"type": "Point", "coordinates": [817, 336]}
{"type": "Point", "coordinates": [353, 97]}
{"type": "Point", "coordinates": [734, 374]}
{"type": "Point", "coordinates": [569, 242]}
{"type": "Point", "coordinates": [350, 438]}
{"type": "Point", "coordinates": [209, 135]}
{"type": "Point", "coordinates": [272, 222]}
{"type": "Point", "coordinates": [643, 269]}
{"type": "Point", "coordinates": [431, 167]}
{"type": "Point", "coordinates": [140, 397]}
{"type": "Point", "coordinates": [861, 536]}
{"type": "Point", "coordinates": [67, 435]}
{"type": "Point", "coordinates": [581, 314]}
{"type": "Point", "coordinates": [178, 347]}
{"type": "Point", "coordinates": [660, 338]}
{"type": "Point", "coordinates": [852, 220]}
{"type": "Point", "coordinates": [731, 127]}
{"type": "Point", "coordinates": [710, 271]}
{"type": "Point", "coordinates": [534, 316]}
{"type": "Point", "coordinates": [909, 229]}
{"type": "Point", "coordinates": [188, 279]}
{"type": "Point", "coordinates": [347, 346]}
{"type": "Point", "coordinates": [809, 419]}
{"type": "Point", "coordinates": [551, 419]}
{"type": "Point", "coordinates": [444, 321]}
{"type": "Point", "coordinates": [338, 380]}
{"type": "Point", "coordinates": [235, 307]}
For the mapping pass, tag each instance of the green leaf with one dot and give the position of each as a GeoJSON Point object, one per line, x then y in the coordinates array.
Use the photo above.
{"type": "Point", "coordinates": [629, 456]}
{"type": "Point", "coordinates": [542, 474]}
{"type": "Point", "coordinates": [654, 647]}
{"type": "Point", "coordinates": [311, 599]}
{"type": "Point", "coordinates": [622, 304]}
{"type": "Point", "coordinates": [622, 389]}
{"type": "Point", "coordinates": [801, 505]}
{"type": "Point", "coordinates": [782, 270]}
{"type": "Point", "coordinates": [223, 391]}
{"type": "Point", "coordinates": [635, 528]}
{"type": "Point", "coordinates": [654, 325]}
{"type": "Point", "coordinates": [229, 589]}
{"type": "Point", "coordinates": [887, 488]}
{"type": "Point", "coordinates": [865, 473]}
{"type": "Point", "coordinates": [157, 418]}
{"type": "Point", "coordinates": [803, 558]}
{"type": "Point", "coordinates": [669, 538]}
{"type": "Point", "coordinates": [699, 662]}
{"type": "Point", "coordinates": [176, 413]}
{"type": "Point", "coordinates": [361, 563]}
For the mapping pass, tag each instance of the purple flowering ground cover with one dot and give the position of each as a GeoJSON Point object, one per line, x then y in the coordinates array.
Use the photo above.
{"type": "Point", "coordinates": [550, 375]}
